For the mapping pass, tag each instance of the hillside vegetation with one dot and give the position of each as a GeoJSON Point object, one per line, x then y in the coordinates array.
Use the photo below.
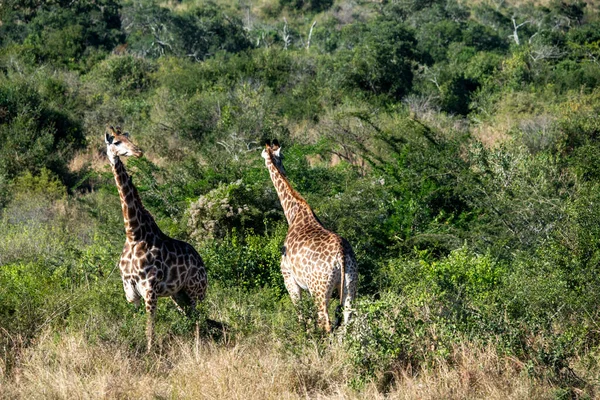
{"type": "Point", "coordinates": [455, 144]}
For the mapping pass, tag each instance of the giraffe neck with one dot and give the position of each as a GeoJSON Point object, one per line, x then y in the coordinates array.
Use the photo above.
{"type": "Point", "coordinates": [138, 221]}
{"type": "Point", "coordinates": [292, 202]}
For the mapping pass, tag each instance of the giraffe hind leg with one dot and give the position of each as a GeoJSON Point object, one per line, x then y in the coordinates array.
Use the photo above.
{"type": "Point", "coordinates": [295, 292]}
{"type": "Point", "coordinates": [323, 314]}
{"type": "Point", "coordinates": [348, 298]}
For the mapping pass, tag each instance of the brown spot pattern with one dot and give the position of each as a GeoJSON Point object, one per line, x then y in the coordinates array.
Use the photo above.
{"type": "Point", "coordinates": [152, 264]}
{"type": "Point", "coordinates": [315, 258]}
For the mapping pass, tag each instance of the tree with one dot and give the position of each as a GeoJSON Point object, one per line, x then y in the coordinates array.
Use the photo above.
{"type": "Point", "coordinates": [379, 57]}
{"type": "Point", "coordinates": [63, 32]}
{"type": "Point", "coordinates": [307, 5]}
{"type": "Point", "coordinates": [33, 136]}
{"type": "Point", "coordinates": [156, 31]}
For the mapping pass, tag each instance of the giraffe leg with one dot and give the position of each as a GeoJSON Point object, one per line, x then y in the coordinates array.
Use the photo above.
{"type": "Point", "coordinates": [187, 306]}
{"type": "Point", "coordinates": [151, 301]}
{"type": "Point", "coordinates": [322, 302]}
{"type": "Point", "coordinates": [350, 281]}
{"type": "Point", "coordinates": [322, 295]}
{"type": "Point", "coordinates": [349, 294]}
{"type": "Point", "coordinates": [294, 290]}
{"type": "Point", "coordinates": [292, 287]}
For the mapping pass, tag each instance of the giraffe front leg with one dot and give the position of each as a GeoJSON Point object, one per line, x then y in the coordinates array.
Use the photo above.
{"type": "Point", "coordinates": [151, 301]}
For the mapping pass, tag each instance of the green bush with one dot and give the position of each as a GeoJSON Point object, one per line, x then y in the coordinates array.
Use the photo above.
{"type": "Point", "coordinates": [307, 5]}
{"type": "Point", "coordinates": [32, 293]}
{"type": "Point", "coordinates": [73, 34]}
{"type": "Point", "coordinates": [253, 263]}
{"type": "Point", "coordinates": [228, 207]}
{"type": "Point", "coordinates": [378, 57]}
{"type": "Point", "coordinates": [156, 31]}
{"type": "Point", "coordinates": [390, 334]}
{"type": "Point", "coordinates": [123, 75]}
{"type": "Point", "coordinates": [33, 134]}
{"type": "Point", "coordinates": [465, 275]}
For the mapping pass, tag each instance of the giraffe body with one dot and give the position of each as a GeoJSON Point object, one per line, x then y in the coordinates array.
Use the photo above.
{"type": "Point", "coordinates": [314, 258]}
{"type": "Point", "coordinates": [152, 264]}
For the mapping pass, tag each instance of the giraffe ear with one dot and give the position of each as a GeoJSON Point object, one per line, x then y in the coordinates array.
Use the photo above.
{"type": "Point", "coordinates": [108, 138]}
{"type": "Point", "coordinates": [277, 152]}
{"type": "Point", "coordinates": [126, 134]}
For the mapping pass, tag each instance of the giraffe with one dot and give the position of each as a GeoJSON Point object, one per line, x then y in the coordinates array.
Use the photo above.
{"type": "Point", "coordinates": [152, 264]}
{"type": "Point", "coordinates": [313, 258]}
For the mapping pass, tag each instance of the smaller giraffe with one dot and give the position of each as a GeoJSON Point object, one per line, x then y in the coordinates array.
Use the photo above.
{"type": "Point", "coordinates": [152, 264]}
{"type": "Point", "coordinates": [314, 258]}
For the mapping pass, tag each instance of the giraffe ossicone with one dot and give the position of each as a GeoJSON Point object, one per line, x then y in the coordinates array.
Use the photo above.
{"type": "Point", "coordinates": [152, 264]}
{"type": "Point", "coordinates": [314, 258]}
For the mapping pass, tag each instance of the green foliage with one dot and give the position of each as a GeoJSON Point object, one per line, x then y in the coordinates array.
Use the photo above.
{"type": "Point", "coordinates": [307, 5]}
{"type": "Point", "coordinates": [123, 75]}
{"type": "Point", "coordinates": [156, 31]}
{"type": "Point", "coordinates": [379, 58]}
{"type": "Point", "coordinates": [253, 263]}
{"type": "Point", "coordinates": [464, 274]}
{"type": "Point", "coordinates": [34, 135]}
{"type": "Point", "coordinates": [228, 207]}
{"type": "Point", "coordinates": [462, 166]}
{"type": "Point", "coordinates": [45, 185]}
{"type": "Point", "coordinates": [70, 34]}
{"type": "Point", "coordinates": [390, 333]}
{"type": "Point", "coordinates": [31, 293]}
{"type": "Point", "coordinates": [428, 183]}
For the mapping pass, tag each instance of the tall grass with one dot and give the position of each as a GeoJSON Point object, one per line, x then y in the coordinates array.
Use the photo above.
{"type": "Point", "coordinates": [67, 366]}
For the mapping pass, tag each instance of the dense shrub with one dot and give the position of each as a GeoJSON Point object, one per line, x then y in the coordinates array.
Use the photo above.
{"type": "Point", "coordinates": [34, 134]}
{"type": "Point", "coordinates": [308, 5]}
{"type": "Point", "coordinates": [233, 206]}
{"type": "Point", "coordinates": [67, 33]}
{"type": "Point", "coordinates": [156, 31]}
{"type": "Point", "coordinates": [378, 58]}
{"type": "Point", "coordinates": [251, 263]}
{"type": "Point", "coordinates": [123, 75]}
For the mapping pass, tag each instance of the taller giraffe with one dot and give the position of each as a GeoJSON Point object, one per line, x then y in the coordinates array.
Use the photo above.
{"type": "Point", "coordinates": [152, 264]}
{"type": "Point", "coordinates": [313, 258]}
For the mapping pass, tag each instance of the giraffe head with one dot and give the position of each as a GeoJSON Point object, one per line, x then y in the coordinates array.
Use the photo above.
{"type": "Point", "coordinates": [118, 144]}
{"type": "Point", "coordinates": [273, 153]}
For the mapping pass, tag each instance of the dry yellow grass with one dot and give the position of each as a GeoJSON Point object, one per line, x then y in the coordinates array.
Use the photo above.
{"type": "Point", "coordinates": [71, 368]}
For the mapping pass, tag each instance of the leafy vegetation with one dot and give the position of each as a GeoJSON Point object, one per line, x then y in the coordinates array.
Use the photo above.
{"type": "Point", "coordinates": [454, 144]}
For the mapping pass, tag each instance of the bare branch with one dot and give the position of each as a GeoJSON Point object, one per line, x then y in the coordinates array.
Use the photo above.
{"type": "Point", "coordinates": [515, 34]}
{"type": "Point", "coordinates": [286, 35]}
{"type": "Point", "coordinates": [310, 35]}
